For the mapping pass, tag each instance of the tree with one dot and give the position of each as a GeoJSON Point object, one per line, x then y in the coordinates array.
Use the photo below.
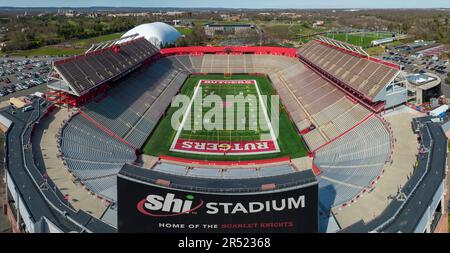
{"type": "Point", "coordinates": [196, 38]}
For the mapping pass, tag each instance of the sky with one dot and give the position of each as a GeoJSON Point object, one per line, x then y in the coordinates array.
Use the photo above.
{"type": "Point", "coordinates": [300, 4]}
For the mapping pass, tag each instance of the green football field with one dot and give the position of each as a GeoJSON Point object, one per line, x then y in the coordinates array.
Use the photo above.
{"type": "Point", "coordinates": [228, 129]}
{"type": "Point", "coordinates": [289, 141]}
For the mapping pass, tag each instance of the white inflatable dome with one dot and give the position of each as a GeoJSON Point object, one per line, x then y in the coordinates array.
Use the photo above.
{"type": "Point", "coordinates": [157, 33]}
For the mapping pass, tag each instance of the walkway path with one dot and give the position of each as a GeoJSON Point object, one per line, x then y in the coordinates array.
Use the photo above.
{"type": "Point", "coordinates": [78, 196]}
{"type": "Point", "coordinates": [395, 176]}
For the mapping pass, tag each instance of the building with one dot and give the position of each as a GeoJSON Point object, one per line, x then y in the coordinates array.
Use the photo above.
{"type": "Point", "coordinates": [382, 41]}
{"type": "Point", "coordinates": [290, 15]}
{"type": "Point", "coordinates": [318, 23]}
{"type": "Point", "coordinates": [213, 29]}
{"type": "Point", "coordinates": [128, 14]}
{"type": "Point", "coordinates": [422, 87]}
{"type": "Point", "coordinates": [19, 102]}
{"type": "Point", "coordinates": [158, 33]}
{"type": "Point", "coordinates": [71, 13]}
{"type": "Point", "coordinates": [174, 13]}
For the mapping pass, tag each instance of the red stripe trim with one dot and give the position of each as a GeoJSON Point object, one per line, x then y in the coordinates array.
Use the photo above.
{"type": "Point", "coordinates": [106, 130]}
{"type": "Point", "coordinates": [342, 134]}
{"type": "Point", "coordinates": [225, 163]}
{"type": "Point", "coordinates": [198, 50]}
{"type": "Point", "coordinates": [316, 170]}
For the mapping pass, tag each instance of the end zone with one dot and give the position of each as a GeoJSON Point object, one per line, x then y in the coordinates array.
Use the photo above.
{"type": "Point", "coordinates": [225, 148]}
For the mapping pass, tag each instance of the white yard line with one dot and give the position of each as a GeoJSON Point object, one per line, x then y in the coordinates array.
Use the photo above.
{"type": "Point", "coordinates": [185, 117]}
{"type": "Point", "coordinates": [272, 134]}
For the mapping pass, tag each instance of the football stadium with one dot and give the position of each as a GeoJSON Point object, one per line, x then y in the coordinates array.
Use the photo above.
{"type": "Point", "coordinates": [135, 136]}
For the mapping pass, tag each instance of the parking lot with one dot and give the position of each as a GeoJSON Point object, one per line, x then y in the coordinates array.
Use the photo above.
{"type": "Point", "coordinates": [21, 76]}
{"type": "Point", "coordinates": [412, 59]}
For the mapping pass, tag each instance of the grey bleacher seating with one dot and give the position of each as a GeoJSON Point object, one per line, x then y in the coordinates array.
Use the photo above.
{"type": "Point", "coordinates": [335, 192]}
{"type": "Point", "coordinates": [275, 170]}
{"type": "Point", "coordinates": [93, 156]}
{"type": "Point", "coordinates": [134, 106]}
{"type": "Point", "coordinates": [218, 173]}
{"type": "Point", "coordinates": [88, 71]}
{"type": "Point", "coordinates": [104, 186]}
{"type": "Point", "coordinates": [354, 160]}
{"type": "Point", "coordinates": [204, 172]}
{"type": "Point", "coordinates": [239, 173]}
{"type": "Point", "coordinates": [171, 168]}
{"type": "Point", "coordinates": [365, 76]}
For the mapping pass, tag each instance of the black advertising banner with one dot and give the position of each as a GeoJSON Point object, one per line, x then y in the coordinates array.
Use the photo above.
{"type": "Point", "coordinates": [156, 209]}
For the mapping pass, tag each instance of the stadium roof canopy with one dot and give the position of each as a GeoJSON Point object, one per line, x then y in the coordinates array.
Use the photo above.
{"type": "Point", "coordinates": [157, 33]}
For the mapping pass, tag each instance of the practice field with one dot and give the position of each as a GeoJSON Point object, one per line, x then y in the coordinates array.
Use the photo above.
{"type": "Point", "coordinates": [359, 39]}
{"type": "Point", "coordinates": [246, 135]}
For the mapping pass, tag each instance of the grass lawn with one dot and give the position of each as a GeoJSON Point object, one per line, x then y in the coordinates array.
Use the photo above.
{"type": "Point", "coordinates": [88, 42]}
{"type": "Point", "coordinates": [289, 141]}
{"type": "Point", "coordinates": [291, 31]}
{"type": "Point", "coordinates": [375, 50]}
{"type": "Point", "coordinates": [378, 35]}
{"type": "Point", "coordinates": [395, 43]}
{"type": "Point", "coordinates": [201, 22]}
{"type": "Point", "coordinates": [184, 30]}
{"type": "Point", "coordinates": [48, 51]}
{"type": "Point", "coordinates": [74, 47]}
{"type": "Point", "coordinates": [299, 29]}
